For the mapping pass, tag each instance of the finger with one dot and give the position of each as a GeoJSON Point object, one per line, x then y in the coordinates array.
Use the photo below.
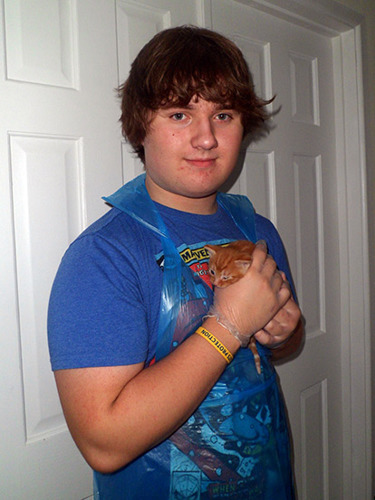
{"type": "Point", "coordinates": [259, 254]}
{"type": "Point", "coordinates": [286, 284]}
{"type": "Point", "coordinates": [286, 319]}
{"type": "Point", "coordinates": [262, 337]}
{"type": "Point", "coordinates": [266, 339]}
{"type": "Point", "coordinates": [277, 281]}
{"type": "Point", "coordinates": [278, 336]}
{"type": "Point", "coordinates": [264, 264]}
{"type": "Point", "coordinates": [284, 276]}
{"type": "Point", "coordinates": [291, 308]}
{"type": "Point", "coordinates": [261, 244]}
{"type": "Point", "coordinates": [284, 295]}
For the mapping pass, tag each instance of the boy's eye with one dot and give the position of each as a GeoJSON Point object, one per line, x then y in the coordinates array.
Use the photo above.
{"type": "Point", "coordinates": [178, 116]}
{"type": "Point", "coordinates": [224, 117]}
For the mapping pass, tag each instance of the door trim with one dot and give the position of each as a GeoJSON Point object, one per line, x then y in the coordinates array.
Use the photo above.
{"type": "Point", "coordinates": [343, 26]}
{"type": "Point", "coordinates": [354, 265]}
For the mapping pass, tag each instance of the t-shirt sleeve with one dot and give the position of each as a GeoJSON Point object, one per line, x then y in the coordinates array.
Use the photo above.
{"type": "Point", "coordinates": [96, 312]}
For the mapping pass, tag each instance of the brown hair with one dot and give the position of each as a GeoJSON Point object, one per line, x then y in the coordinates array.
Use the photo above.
{"type": "Point", "coordinates": [178, 64]}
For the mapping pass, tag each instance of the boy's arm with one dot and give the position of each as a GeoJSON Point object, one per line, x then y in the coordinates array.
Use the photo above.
{"type": "Point", "coordinates": [117, 413]}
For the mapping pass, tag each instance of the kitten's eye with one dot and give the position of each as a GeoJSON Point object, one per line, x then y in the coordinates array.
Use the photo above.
{"type": "Point", "coordinates": [212, 272]}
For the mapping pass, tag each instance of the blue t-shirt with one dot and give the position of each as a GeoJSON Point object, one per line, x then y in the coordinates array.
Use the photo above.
{"type": "Point", "coordinates": [105, 299]}
{"type": "Point", "coordinates": [104, 311]}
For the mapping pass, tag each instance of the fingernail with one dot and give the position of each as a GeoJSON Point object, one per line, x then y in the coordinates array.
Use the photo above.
{"type": "Point", "coordinates": [262, 242]}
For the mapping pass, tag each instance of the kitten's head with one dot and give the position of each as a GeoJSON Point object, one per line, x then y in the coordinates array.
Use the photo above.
{"type": "Point", "coordinates": [226, 265]}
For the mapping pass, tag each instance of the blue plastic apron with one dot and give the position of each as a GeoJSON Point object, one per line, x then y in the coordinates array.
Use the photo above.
{"type": "Point", "coordinates": [236, 445]}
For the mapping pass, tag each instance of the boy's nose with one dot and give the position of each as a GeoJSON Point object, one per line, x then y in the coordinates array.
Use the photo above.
{"type": "Point", "coordinates": [204, 135]}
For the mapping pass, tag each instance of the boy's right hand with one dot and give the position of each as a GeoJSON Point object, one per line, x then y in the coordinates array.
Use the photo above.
{"type": "Point", "coordinates": [254, 300]}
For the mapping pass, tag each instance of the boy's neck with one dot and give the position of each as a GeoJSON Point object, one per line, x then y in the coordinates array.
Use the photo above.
{"type": "Point", "coordinates": [203, 206]}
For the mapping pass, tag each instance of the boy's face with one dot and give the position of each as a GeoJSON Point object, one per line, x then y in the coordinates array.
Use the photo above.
{"type": "Point", "coordinates": [190, 152]}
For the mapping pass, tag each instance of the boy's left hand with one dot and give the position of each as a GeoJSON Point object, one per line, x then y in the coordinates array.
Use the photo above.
{"type": "Point", "coordinates": [282, 325]}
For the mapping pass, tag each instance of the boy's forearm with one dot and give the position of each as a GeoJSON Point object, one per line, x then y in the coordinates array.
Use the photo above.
{"type": "Point", "coordinates": [113, 430]}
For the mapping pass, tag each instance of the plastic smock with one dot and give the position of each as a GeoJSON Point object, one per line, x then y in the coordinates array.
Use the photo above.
{"type": "Point", "coordinates": [236, 444]}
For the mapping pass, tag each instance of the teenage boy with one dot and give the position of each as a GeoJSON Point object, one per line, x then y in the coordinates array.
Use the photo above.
{"type": "Point", "coordinates": [159, 391]}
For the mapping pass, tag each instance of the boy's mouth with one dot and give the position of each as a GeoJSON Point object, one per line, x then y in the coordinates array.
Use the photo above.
{"type": "Point", "coordinates": [201, 162]}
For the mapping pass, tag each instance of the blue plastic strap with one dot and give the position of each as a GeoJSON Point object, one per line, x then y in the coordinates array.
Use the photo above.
{"type": "Point", "coordinates": [242, 212]}
{"type": "Point", "coordinates": [134, 200]}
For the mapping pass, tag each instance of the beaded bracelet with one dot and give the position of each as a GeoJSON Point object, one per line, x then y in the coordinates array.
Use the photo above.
{"type": "Point", "coordinates": [227, 355]}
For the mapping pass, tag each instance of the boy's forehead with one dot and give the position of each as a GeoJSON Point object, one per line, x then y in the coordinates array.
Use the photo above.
{"type": "Point", "coordinates": [197, 102]}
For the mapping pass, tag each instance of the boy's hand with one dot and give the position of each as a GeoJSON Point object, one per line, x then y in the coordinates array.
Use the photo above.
{"type": "Point", "coordinates": [281, 326]}
{"type": "Point", "coordinates": [251, 303]}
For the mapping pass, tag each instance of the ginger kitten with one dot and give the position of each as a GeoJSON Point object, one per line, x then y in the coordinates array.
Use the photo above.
{"type": "Point", "coordinates": [227, 265]}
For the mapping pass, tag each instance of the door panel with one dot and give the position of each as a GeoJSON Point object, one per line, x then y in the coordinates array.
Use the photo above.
{"type": "Point", "coordinates": [52, 142]}
{"type": "Point", "coordinates": [291, 178]}
{"type": "Point", "coordinates": [61, 150]}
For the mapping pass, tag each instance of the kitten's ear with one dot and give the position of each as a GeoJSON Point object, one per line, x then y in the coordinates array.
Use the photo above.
{"type": "Point", "coordinates": [243, 264]}
{"type": "Point", "coordinates": [211, 249]}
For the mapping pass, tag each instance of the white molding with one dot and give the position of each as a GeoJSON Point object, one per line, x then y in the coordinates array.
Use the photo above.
{"type": "Point", "coordinates": [326, 17]}
{"type": "Point", "coordinates": [203, 10]}
{"type": "Point", "coordinates": [354, 265]}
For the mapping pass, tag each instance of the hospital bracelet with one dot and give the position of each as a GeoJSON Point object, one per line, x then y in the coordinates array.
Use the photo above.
{"type": "Point", "coordinates": [227, 355]}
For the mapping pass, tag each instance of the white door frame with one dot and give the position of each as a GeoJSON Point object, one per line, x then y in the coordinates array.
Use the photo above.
{"type": "Point", "coordinates": [343, 26]}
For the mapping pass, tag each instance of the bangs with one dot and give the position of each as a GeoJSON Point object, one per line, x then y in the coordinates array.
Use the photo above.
{"type": "Point", "coordinates": [216, 89]}
{"type": "Point", "coordinates": [198, 68]}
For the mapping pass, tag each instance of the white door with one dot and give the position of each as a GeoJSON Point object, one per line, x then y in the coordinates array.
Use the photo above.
{"type": "Point", "coordinates": [291, 178]}
{"type": "Point", "coordinates": [60, 150]}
